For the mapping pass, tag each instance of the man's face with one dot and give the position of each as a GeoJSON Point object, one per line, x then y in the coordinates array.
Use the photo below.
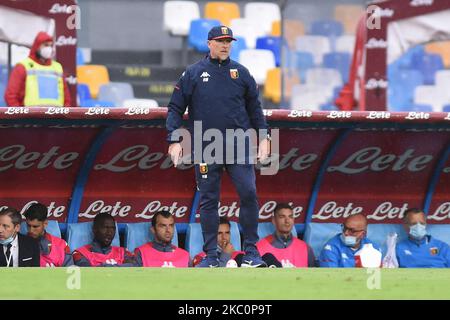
{"type": "Point", "coordinates": [7, 228]}
{"type": "Point", "coordinates": [220, 48]}
{"type": "Point", "coordinates": [223, 236]}
{"type": "Point", "coordinates": [104, 232]}
{"type": "Point", "coordinates": [164, 229]}
{"type": "Point", "coordinates": [283, 221]}
{"type": "Point", "coordinates": [356, 227]}
{"type": "Point", "coordinates": [36, 228]}
{"type": "Point", "coordinates": [46, 44]}
{"type": "Point", "coordinates": [413, 219]}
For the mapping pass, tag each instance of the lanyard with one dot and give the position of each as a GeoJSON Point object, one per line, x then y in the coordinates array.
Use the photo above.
{"type": "Point", "coordinates": [8, 260]}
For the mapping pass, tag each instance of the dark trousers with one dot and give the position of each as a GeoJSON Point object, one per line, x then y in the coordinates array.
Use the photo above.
{"type": "Point", "coordinates": [243, 178]}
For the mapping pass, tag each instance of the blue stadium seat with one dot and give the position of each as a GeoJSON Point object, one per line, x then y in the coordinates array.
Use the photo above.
{"type": "Point", "coordinates": [328, 28]}
{"type": "Point", "coordinates": [194, 238]}
{"type": "Point", "coordinates": [446, 108]}
{"type": "Point", "coordinates": [89, 103]}
{"type": "Point", "coordinates": [378, 232]}
{"type": "Point", "coordinates": [340, 61]}
{"type": "Point", "coordinates": [328, 107]}
{"type": "Point", "coordinates": [267, 228]}
{"type": "Point", "coordinates": [237, 47]}
{"type": "Point", "coordinates": [440, 231]}
{"type": "Point", "coordinates": [198, 33]}
{"type": "Point", "coordinates": [83, 92]}
{"type": "Point", "coordinates": [116, 92]}
{"type": "Point", "coordinates": [137, 234]}
{"type": "Point", "coordinates": [80, 57]}
{"type": "Point", "coordinates": [271, 43]}
{"type": "Point", "coordinates": [401, 89]}
{"type": "Point", "coordinates": [428, 64]}
{"type": "Point", "coordinates": [80, 234]}
{"type": "Point", "coordinates": [317, 234]}
{"type": "Point", "coordinates": [52, 228]}
{"type": "Point", "coordinates": [2, 95]}
{"type": "Point", "coordinates": [406, 60]}
{"type": "Point", "coordinates": [421, 108]}
{"type": "Point", "coordinates": [303, 61]}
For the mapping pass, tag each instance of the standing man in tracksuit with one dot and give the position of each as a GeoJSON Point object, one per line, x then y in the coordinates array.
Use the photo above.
{"type": "Point", "coordinates": [220, 94]}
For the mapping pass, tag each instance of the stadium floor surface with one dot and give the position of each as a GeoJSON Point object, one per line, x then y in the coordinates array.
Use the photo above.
{"type": "Point", "coordinates": [207, 284]}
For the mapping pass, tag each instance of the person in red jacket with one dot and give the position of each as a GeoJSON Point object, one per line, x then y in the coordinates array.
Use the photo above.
{"type": "Point", "coordinates": [38, 80]}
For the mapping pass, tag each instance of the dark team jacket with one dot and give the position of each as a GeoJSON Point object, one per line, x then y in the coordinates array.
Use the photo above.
{"type": "Point", "coordinates": [223, 95]}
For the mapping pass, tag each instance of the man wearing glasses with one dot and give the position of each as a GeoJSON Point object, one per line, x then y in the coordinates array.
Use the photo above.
{"type": "Point", "coordinates": [339, 251]}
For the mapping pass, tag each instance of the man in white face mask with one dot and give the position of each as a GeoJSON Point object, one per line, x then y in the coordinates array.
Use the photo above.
{"type": "Point", "coordinates": [421, 250]}
{"type": "Point", "coordinates": [16, 250]}
{"type": "Point", "coordinates": [38, 80]}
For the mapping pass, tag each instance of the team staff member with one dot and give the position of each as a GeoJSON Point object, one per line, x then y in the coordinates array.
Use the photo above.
{"type": "Point", "coordinates": [421, 250]}
{"type": "Point", "coordinates": [16, 250]}
{"type": "Point", "coordinates": [100, 253]}
{"type": "Point", "coordinates": [160, 252]}
{"type": "Point", "coordinates": [221, 94]}
{"type": "Point", "coordinates": [54, 251]}
{"type": "Point", "coordinates": [38, 80]}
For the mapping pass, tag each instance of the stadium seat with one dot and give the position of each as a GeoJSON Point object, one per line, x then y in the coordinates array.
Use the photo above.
{"type": "Point", "coordinates": [430, 95]}
{"type": "Point", "coordinates": [178, 15]}
{"type": "Point", "coordinates": [222, 11]}
{"type": "Point", "coordinates": [303, 62]}
{"type": "Point", "coordinates": [328, 107]}
{"type": "Point", "coordinates": [237, 47]}
{"type": "Point", "coordinates": [442, 79]}
{"type": "Point", "coordinates": [401, 91]}
{"type": "Point", "coordinates": [264, 13]}
{"type": "Point", "coordinates": [137, 234]}
{"type": "Point", "coordinates": [258, 62]}
{"type": "Point", "coordinates": [348, 15]}
{"type": "Point", "coordinates": [94, 76]}
{"type": "Point", "coordinates": [272, 87]}
{"type": "Point", "coordinates": [446, 108]}
{"type": "Point", "coordinates": [198, 33]}
{"type": "Point", "coordinates": [345, 43]}
{"type": "Point", "coordinates": [273, 44]}
{"type": "Point", "coordinates": [140, 103]}
{"type": "Point", "coordinates": [428, 64]}
{"type": "Point", "coordinates": [52, 228]}
{"type": "Point", "coordinates": [267, 228]}
{"type": "Point", "coordinates": [2, 95]}
{"type": "Point", "coordinates": [316, 45]}
{"type": "Point", "coordinates": [90, 103]}
{"type": "Point", "coordinates": [194, 238]}
{"type": "Point", "coordinates": [310, 97]}
{"type": "Point", "coordinates": [317, 234]}
{"type": "Point", "coordinates": [439, 231]}
{"type": "Point", "coordinates": [324, 76]}
{"type": "Point", "coordinates": [340, 61]}
{"type": "Point", "coordinates": [327, 28]}
{"type": "Point", "coordinates": [275, 31]}
{"type": "Point", "coordinates": [292, 30]}
{"type": "Point", "coordinates": [80, 234]}
{"type": "Point", "coordinates": [116, 92]}
{"type": "Point", "coordinates": [80, 57]}
{"type": "Point", "coordinates": [378, 232]}
{"type": "Point", "coordinates": [247, 29]}
{"type": "Point", "coordinates": [83, 93]}
{"type": "Point", "coordinates": [441, 48]}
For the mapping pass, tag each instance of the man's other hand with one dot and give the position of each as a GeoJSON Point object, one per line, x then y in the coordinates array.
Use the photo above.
{"type": "Point", "coordinates": [175, 151]}
{"type": "Point", "coordinates": [263, 150]}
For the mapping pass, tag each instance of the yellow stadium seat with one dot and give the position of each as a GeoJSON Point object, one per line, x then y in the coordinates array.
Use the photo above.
{"type": "Point", "coordinates": [272, 87]}
{"type": "Point", "coordinates": [349, 15]}
{"type": "Point", "coordinates": [442, 48]}
{"type": "Point", "coordinates": [292, 30]}
{"type": "Point", "coordinates": [222, 11]}
{"type": "Point", "coordinates": [276, 28]}
{"type": "Point", "coordinates": [94, 76]}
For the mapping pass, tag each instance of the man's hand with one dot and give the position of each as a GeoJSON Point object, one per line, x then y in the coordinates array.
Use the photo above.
{"type": "Point", "coordinates": [227, 247]}
{"type": "Point", "coordinates": [263, 150]}
{"type": "Point", "coordinates": [175, 151]}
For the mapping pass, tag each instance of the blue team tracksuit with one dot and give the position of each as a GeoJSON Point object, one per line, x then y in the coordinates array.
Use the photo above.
{"type": "Point", "coordinates": [222, 95]}
{"type": "Point", "coordinates": [426, 253]}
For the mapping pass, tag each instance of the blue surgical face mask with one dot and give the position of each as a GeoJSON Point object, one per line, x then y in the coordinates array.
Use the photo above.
{"type": "Point", "coordinates": [8, 241]}
{"type": "Point", "coordinates": [349, 241]}
{"type": "Point", "coordinates": [418, 231]}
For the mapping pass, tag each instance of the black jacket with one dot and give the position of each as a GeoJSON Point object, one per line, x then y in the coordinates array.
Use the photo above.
{"type": "Point", "coordinates": [29, 254]}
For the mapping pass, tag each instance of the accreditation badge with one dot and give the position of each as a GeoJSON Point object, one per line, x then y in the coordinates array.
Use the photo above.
{"type": "Point", "coordinates": [234, 73]}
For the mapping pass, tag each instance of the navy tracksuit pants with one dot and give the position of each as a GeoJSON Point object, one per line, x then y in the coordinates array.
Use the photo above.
{"type": "Point", "coordinates": [243, 178]}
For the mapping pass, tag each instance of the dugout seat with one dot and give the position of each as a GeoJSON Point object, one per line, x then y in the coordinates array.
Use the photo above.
{"type": "Point", "coordinates": [116, 92]}
{"type": "Point", "coordinates": [80, 234]}
{"type": "Point", "coordinates": [52, 228]}
{"type": "Point", "coordinates": [440, 231]}
{"type": "Point", "coordinates": [317, 234]}
{"type": "Point", "coordinates": [94, 76]}
{"type": "Point", "coordinates": [267, 228]}
{"type": "Point", "coordinates": [198, 33]}
{"type": "Point", "coordinates": [222, 11]}
{"type": "Point", "coordinates": [194, 238]}
{"type": "Point", "coordinates": [177, 16]}
{"type": "Point", "coordinates": [137, 234]}
{"type": "Point", "coordinates": [378, 232]}
{"type": "Point", "coordinates": [263, 13]}
{"type": "Point", "coordinates": [258, 62]}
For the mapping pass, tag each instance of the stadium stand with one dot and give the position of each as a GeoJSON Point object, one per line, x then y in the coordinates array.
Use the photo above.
{"type": "Point", "coordinates": [52, 228]}
{"type": "Point", "coordinates": [177, 16]}
{"type": "Point", "coordinates": [263, 14]}
{"type": "Point", "coordinates": [137, 234]}
{"type": "Point", "coordinates": [80, 234]}
{"type": "Point", "coordinates": [94, 76]}
{"type": "Point", "coordinates": [258, 62]}
{"type": "Point", "coordinates": [116, 92]}
{"type": "Point", "coordinates": [316, 45]}
{"type": "Point", "coordinates": [441, 48]}
{"type": "Point", "coordinates": [273, 44]}
{"type": "Point", "coordinates": [194, 238]}
{"type": "Point", "coordinates": [247, 29]}
{"type": "Point", "coordinates": [222, 11]}
{"type": "Point", "coordinates": [348, 15]}
{"type": "Point", "coordinates": [198, 33]}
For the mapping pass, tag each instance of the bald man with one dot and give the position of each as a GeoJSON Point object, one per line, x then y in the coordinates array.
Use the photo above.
{"type": "Point", "coordinates": [339, 251]}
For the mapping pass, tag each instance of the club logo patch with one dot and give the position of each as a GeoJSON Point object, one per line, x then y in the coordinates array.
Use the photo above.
{"type": "Point", "coordinates": [203, 167]}
{"type": "Point", "coordinates": [234, 73]}
{"type": "Point", "coordinates": [224, 30]}
{"type": "Point", "coordinates": [434, 251]}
